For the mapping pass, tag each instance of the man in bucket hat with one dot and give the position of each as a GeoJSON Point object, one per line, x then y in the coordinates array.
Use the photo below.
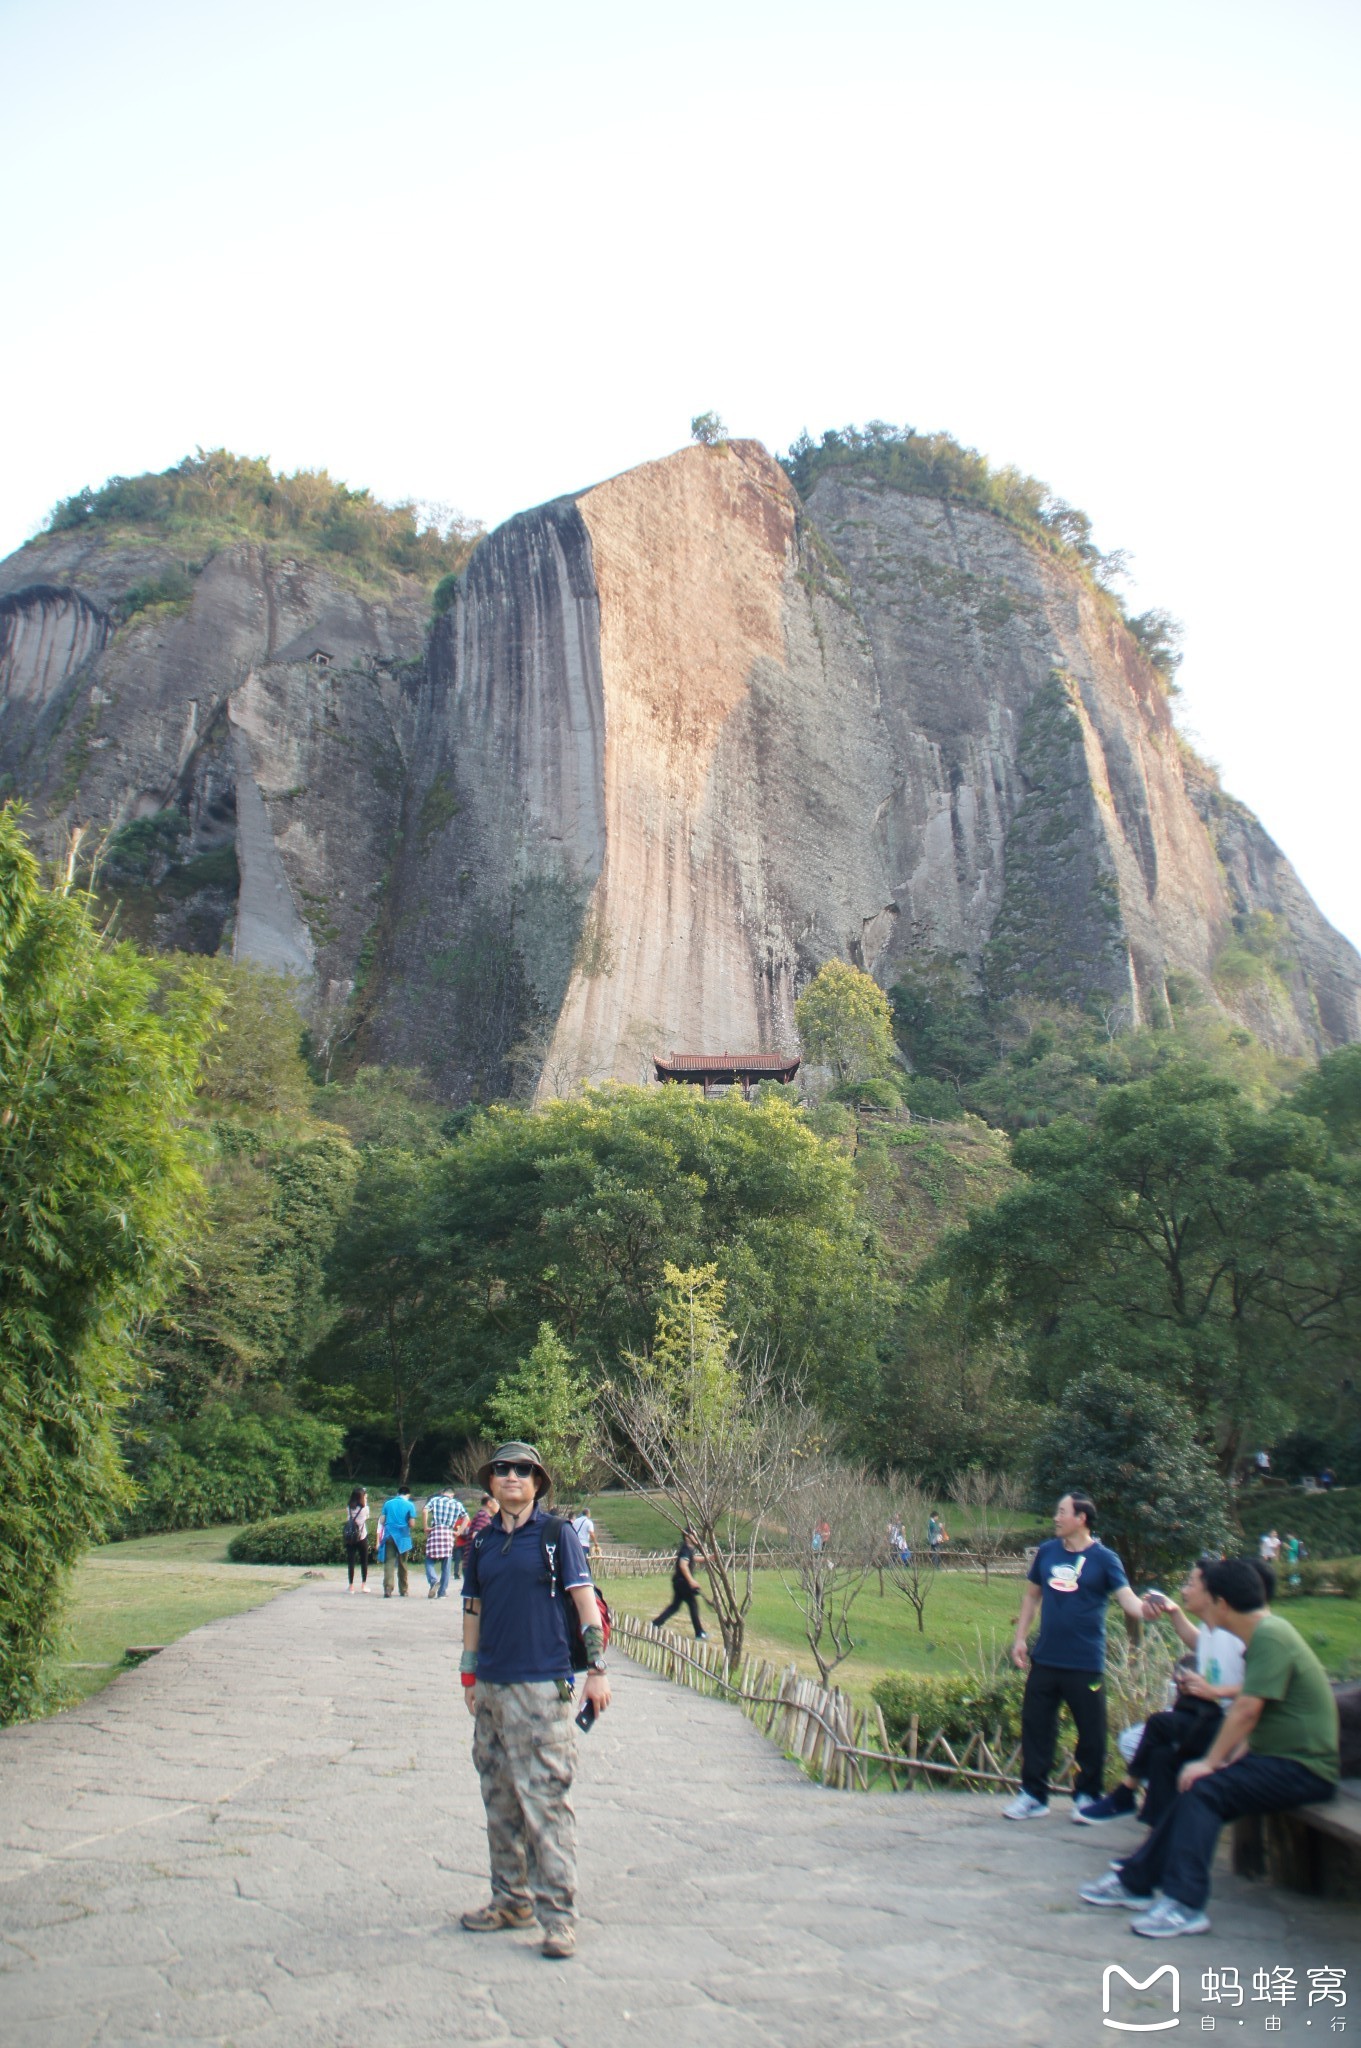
{"type": "Point", "coordinates": [517, 1678]}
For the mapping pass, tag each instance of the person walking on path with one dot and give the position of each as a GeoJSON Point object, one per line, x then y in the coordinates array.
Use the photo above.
{"type": "Point", "coordinates": [516, 1670]}
{"type": "Point", "coordinates": [580, 1518]}
{"type": "Point", "coordinates": [399, 1516]}
{"type": "Point", "coordinates": [356, 1538]}
{"type": "Point", "coordinates": [1184, 1731]}
{"type": "Point", "coordinates": [935, 1535]}
{"type": "Point", "coordinates": [1286, 1715]}
{"type": "Point", "coordinates": [439, 1518]}
{"type": "Point", "coordinates": [1071, 1578]}
{"type": "Point", "coordinates": [471, 1527]}
{"type": "Point", "coordinates": [684, 1584]}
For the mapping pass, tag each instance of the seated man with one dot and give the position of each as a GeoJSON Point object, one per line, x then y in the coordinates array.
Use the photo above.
{"type": "Point", "coordinates": [1277, 1747]}
{"type": "Point", "coordinates": [1184, 1731]}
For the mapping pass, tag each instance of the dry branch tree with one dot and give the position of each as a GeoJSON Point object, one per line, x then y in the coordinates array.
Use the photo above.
{"type": "Point", "coordinates": [912, 1569]}
{"type": "Point", "coordinates": [992, 1501]}
{"type": "Point", "coordinates": [711, 1425]}
{"type": "Point", "coordinates": [826, 1573]}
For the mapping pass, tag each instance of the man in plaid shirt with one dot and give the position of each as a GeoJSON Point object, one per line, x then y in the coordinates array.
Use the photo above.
{"type": "Point", "coordinates": [439, 1518]}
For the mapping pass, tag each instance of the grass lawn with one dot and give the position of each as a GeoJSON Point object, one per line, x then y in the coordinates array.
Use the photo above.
{"type": "Point", "coordinates": [631, 1518]}
{"type": "Point", "coordinates": [153, 1590]}
{"type": "Point", "coordinates": [959, 1611]}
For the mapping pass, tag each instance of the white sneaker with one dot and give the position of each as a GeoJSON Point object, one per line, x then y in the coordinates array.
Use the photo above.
{"type": "Point", "coordinates": [1107, 1890]}
{"type": "Point", "coordinates": [1168, 1919]}
{"type": "Point", "coordinates": [1024, 1807]}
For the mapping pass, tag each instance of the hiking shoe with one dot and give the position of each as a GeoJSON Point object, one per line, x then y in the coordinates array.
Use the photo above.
{"type": "Point", "coordinates": [1168, 1919]}
{"type": "Point", "coordinates": [1024, 1807]}
{"type": "Point", "coordinates": [1090, 1813]}
{"type": "Point", "coordinates": [559, 1943]}
{"type": "Point", "coordinates": [1108, 1890]}
{"type": "Point", "coordinates": [701, 1635]}
{"type": "Point", "coordinates": [500, 1913]}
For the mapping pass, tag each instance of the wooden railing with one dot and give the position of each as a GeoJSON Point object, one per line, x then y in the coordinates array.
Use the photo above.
{"type": "Point", "coordinates": [840, 1744]}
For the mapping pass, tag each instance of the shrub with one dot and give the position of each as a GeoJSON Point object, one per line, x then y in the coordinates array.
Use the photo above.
{"type": "Point", "coordinates": [227, 1463]}
{"type": "Point", "coordinates": [935, 1100]}
{"type": "Point", "coordinates": [304, 1539]}
{"type": "Point", "coordinates": [1340, 1575]}
{"type": "Point", "coordinates": [1328, 1524]}
{"type": "Point", "coordinates": [955, 1704]}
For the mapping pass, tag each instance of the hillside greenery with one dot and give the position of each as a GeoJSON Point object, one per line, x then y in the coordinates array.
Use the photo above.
{"type": "Point", "coordinates": [213, 497]}
{"type": "Point", "coordinates": [938, 466]}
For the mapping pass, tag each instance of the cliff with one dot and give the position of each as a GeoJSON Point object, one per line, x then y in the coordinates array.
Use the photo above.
{"type": "Point", "coordinates": [679, 738]}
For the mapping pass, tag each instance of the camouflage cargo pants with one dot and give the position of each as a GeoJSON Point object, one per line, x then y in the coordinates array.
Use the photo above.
{"type": "Point", "coordinates": [524, 1746]}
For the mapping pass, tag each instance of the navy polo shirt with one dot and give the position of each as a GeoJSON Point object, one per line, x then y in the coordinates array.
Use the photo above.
{"type": "Point", "coordinates": [523, 1637]}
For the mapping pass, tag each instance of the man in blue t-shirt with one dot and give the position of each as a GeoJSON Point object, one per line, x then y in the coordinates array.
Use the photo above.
{"type": "Point", "coordinates": [399, 1514]}
{"type": "Point", "coordinates": [516, 1669]}
{"type": "Point", "coordinates": [1071, 1578]}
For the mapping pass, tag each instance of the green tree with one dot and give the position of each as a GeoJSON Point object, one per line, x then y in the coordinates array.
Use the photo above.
{"type": "Point", "coordinates": [545, 1403]}
{"type": "Point", "coordinates": [1133, 1448]}
{"type": "Point", "coordinates": [392, 1357]}
{"type": "Point", "coordinates": [708, 429]}
{"type": "Point", "coordinates": [1186, 1236]}
{"type": "Point", "coordinates": [569, 1213]}
{"type": "Point", "coordinates": [845, 1022]}
{"type": "Point", "coordinates": [99, 1050]}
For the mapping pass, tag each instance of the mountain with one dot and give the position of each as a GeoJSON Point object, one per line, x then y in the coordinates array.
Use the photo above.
{"type": "Point", "coordinates": [666, 745]}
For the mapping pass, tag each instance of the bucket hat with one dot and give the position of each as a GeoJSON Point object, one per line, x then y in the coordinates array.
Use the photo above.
{"type": "Point", "coordinates": [518, 1454]}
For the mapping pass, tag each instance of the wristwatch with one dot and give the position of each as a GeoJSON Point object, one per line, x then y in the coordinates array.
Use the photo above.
{"type": "Point", "coordinates": [597, 1664]}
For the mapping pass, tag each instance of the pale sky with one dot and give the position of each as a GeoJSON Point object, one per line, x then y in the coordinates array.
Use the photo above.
{"type": "Point", "coordinates": [482, 255]}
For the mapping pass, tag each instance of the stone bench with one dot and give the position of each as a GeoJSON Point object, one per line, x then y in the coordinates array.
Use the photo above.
{"type": "Point", "coordinates": [1310, 1849]}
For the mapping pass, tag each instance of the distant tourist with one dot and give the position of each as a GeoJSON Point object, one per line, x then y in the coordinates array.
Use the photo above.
{"type": "Point", "coordinates": [684, 1584]}
{"type": "Point", "coordinates": [465, 1532]}
{"type": "Point", "coordinates": [357, 1538]}
{"type": "Point", "coordinates": [439, 1518]}
{"type": "Point", "coordinates": [1071, 1578]}
{"type": "Point", "coordinates": [580, 1520]}
{"type": "Point", "coordinates": [517, 1674]}
{"type": "Point", "coordinates": [1185, 1730]}
{"type": "Point", "coordinates": [899, 1548]}
{"type": "Point", "coordinates": [1269, 1547]}
{"type": "Point", "coordinates": [399, 1517]}
{"type": "Point", "coordinates": [935, 1534]}
{"type": "Point", "coordinates": [1263, 1463]}
{"type": "Point", "coordinates": [1326, 1478]}
{"type": "Point", "coordinates": [1287, 1716]}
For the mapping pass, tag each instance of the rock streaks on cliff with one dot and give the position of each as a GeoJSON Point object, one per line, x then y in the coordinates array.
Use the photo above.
{"type": "Point", "coordinates": [679, 739]}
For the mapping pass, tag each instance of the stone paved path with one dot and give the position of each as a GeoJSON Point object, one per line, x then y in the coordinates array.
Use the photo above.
{"type": "Point", "coordinates": [262, 1835]}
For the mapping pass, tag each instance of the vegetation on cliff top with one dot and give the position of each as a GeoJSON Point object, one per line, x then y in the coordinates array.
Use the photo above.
{"type": "Point", "coordinates": [938, 466]}
{"type": "Point", "coordinates": [214, 496]}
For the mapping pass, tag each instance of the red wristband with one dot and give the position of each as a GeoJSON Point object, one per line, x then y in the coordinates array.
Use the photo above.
{"type": "Point", "coordinates": [467, 1678]}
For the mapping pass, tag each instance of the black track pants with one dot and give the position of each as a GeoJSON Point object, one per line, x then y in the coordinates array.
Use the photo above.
{"type": "Point", "coordinates": [681, 1594]}
{"type": "Point", "coordinates": [1047, 1688]}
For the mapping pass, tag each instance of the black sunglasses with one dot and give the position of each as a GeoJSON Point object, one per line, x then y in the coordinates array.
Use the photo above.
{"type": "Point", "coordinates": [505, 1468]}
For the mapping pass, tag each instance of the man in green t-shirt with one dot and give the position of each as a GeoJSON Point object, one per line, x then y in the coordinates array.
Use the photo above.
{"type": "Point", "coordinates": [1276, 1749]}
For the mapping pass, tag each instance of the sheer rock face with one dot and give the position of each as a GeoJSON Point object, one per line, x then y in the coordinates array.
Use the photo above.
{"type": "Point", "coordinates": [218, 709]}
{"type": "Point", "coordinates": [678, 740]}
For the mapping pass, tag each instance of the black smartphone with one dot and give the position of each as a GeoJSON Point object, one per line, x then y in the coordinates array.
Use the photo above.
{"type": "Point", "coordinates": [585, 1720]}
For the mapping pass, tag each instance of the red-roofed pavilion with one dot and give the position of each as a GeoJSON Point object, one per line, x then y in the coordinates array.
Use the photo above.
{"type": "Point", "coordinates": [708, 1070]}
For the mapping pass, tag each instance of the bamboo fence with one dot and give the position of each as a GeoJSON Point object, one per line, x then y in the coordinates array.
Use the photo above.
{"type": "Point", "coordinates": [841, 1745]}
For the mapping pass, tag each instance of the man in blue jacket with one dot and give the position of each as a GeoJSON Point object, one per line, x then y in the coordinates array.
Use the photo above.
{"type": "Point", "coordinates": [1071, 1579]}
{"type": "Point", "coordinates": [517, 1677]}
